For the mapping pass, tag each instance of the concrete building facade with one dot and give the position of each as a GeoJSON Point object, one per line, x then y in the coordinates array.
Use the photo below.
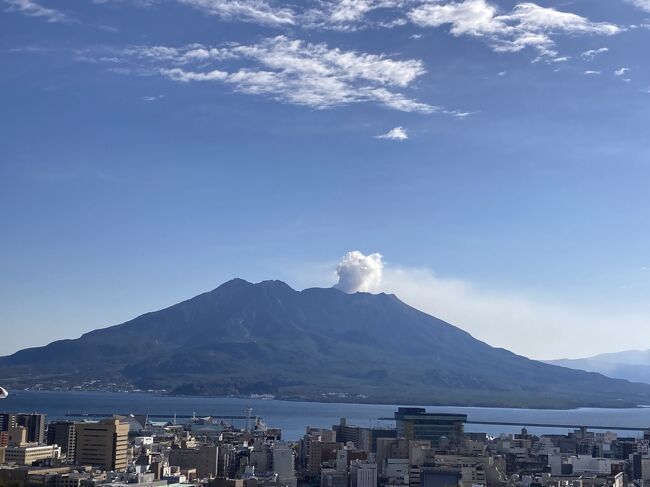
{"type": "Point", "coordinates": [102, 444]}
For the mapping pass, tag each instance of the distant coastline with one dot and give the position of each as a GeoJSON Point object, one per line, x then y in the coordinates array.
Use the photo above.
{"type": "Point", "coordinates": [334, 399]}
{"type": "Point", "coordinates": [292, 415]}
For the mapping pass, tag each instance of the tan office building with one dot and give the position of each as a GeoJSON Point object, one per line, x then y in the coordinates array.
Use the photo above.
{"type": "Point", "coordinates": [103, 444]}
{"type": "Point", "coordinates": [28, 454]}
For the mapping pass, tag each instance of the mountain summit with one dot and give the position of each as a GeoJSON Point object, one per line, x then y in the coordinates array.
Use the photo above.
{"type": "Point", "coordinates": [316, 344]}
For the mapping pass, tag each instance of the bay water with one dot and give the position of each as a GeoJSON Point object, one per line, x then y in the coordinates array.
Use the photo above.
{"type": "Point", "coordinates": [293, 416]}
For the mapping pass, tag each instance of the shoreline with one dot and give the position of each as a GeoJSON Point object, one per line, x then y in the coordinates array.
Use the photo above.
{"type": "Point", "coordinates": [335, 402]}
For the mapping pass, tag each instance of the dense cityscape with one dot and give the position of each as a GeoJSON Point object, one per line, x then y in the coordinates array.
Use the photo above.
{"type": "Point", "coordinates": [423, 449]}
{"type": "Point", "coordinates": [324, 243]}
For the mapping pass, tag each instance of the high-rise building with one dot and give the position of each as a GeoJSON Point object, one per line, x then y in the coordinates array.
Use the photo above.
{"type": "Point", "coordinates": [204, 459]}
{"type": "Point", "coordinates": [63, 434]}
{"type": "Point", "coordinates": [376, 433]}
{"type": "Point", "coordinates": [417, 424]}
{"type": "Point", "coordinates": [102, 444]}
{"type": "Point", "coordinates": [391, 448]}
{"type": "Point", "coordinates": [360, 437]}
{"type": "Point", "coordinates": [8, 420]}
{"type": "Point", "coordinates": [284, 464]}
{"type": "Point", "coordinates": [34, 423]}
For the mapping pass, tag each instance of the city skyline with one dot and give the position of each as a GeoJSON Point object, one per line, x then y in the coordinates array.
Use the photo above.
{"type": "Point", "coordinates": [494, 153]}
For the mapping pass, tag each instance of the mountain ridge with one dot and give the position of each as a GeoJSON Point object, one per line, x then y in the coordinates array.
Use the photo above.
{"type": "Point", "coordinates": [316, 344]}
{"type": "Point", "coordinates": [631, 365]}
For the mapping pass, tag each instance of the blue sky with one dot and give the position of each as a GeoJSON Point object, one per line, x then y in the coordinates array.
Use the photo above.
{"type": "Point", "coordinates": [495, 153]}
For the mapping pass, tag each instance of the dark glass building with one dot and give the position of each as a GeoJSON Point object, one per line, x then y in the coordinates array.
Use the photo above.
{"type": "Point", "coordinates": [440, 429]}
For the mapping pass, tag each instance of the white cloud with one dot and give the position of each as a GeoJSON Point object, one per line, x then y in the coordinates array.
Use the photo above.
{"type": "Point", "coordinates": [527, 25]}
{"type": "Point", "coordinates": [458, 114]}
{"type": "Point", "coordinates": [591, 72]}
{"type": "Point", "coordinates": [592, 53]}
{"type": "Point", "coordinates": [621, 72]}
{"type": "Point", "coordinates": [359, 273]}
{"type": "Point", "coordinates": [183, 55]}
{"type": "Point", "coordinates": [470, 17]}
{"type": "Point", "coordinates": [520, 323]}
{"type": "Point", "coordinates": [642, 4]}
{"type": "Point", "coordinates": [348, 14]}
{"type": "Point", "coordinates": [140, 3]}
{"type": "Point", "coordinates": [525, 323]}
{"type": "Point", "coordinates": [177, 74]}
{"type": "Point", "coordinates": [291, 71]}
{"type": "Point", "coordinates": [35, 9]}
{"type": "Point", "coordinates": [257, 11]}
{"type": "Point", "coordinates": [294, 55]}
{"type": "Point", "coordinates": [397, 133]}
{"type": "Point", "coordinates": [531, 17]}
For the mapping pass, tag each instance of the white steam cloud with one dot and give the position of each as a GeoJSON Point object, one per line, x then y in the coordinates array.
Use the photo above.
{"type": "Point", "coordinates": [359, 273]}
{"type": "Point", "coordinates": [512, 319]}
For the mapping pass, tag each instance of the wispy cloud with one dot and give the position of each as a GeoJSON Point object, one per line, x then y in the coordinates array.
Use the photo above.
{"type": "Point", "coordinates": [642, 4]}
{"type": "Point", "coordinates": [288, 70]}
{"type": "Point", "coordinates": [621, 72]}
{"type": "Point", "coordinates": [397, 133]}
{"type": "Point", "coordinates": [258, 11]}
{"type": "Point", "coordinates": [35, 9]}
{"type": "Point", "coordinates": [592, 53]}
{"type": "Point", "coordinates": [527, 25]}
{"type": "Point", "coordinates": [350, 14]}
{"type": "Point", "coordinates": [459, 114]}
{"type": "Point", "coordinates": [515, 321]}
{"type": "Point", "coordinates": [591, 72]}
{"type": "Point", "coordinates": [512, 320]}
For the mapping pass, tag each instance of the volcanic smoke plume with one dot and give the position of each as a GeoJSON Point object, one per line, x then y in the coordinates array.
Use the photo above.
{"type": "Point", "coordinates": [358, 272]}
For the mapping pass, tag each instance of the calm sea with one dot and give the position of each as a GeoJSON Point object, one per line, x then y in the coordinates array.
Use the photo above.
{"type": "Point", "coordinates": [293, 417]}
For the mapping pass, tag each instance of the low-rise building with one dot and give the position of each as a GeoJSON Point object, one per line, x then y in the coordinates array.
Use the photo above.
{"type": "Point", "coordinates": [28, 454]}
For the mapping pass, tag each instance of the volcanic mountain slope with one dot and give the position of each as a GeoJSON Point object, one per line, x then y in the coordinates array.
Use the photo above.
{"type": "Point", "coordinates": [316, 344]}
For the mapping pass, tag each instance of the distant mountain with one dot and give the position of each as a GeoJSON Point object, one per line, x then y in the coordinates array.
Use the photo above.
{"type": "Point", "coordinates": [316, 344]}
{"type": "Point", "coordinates": [632, 365]}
